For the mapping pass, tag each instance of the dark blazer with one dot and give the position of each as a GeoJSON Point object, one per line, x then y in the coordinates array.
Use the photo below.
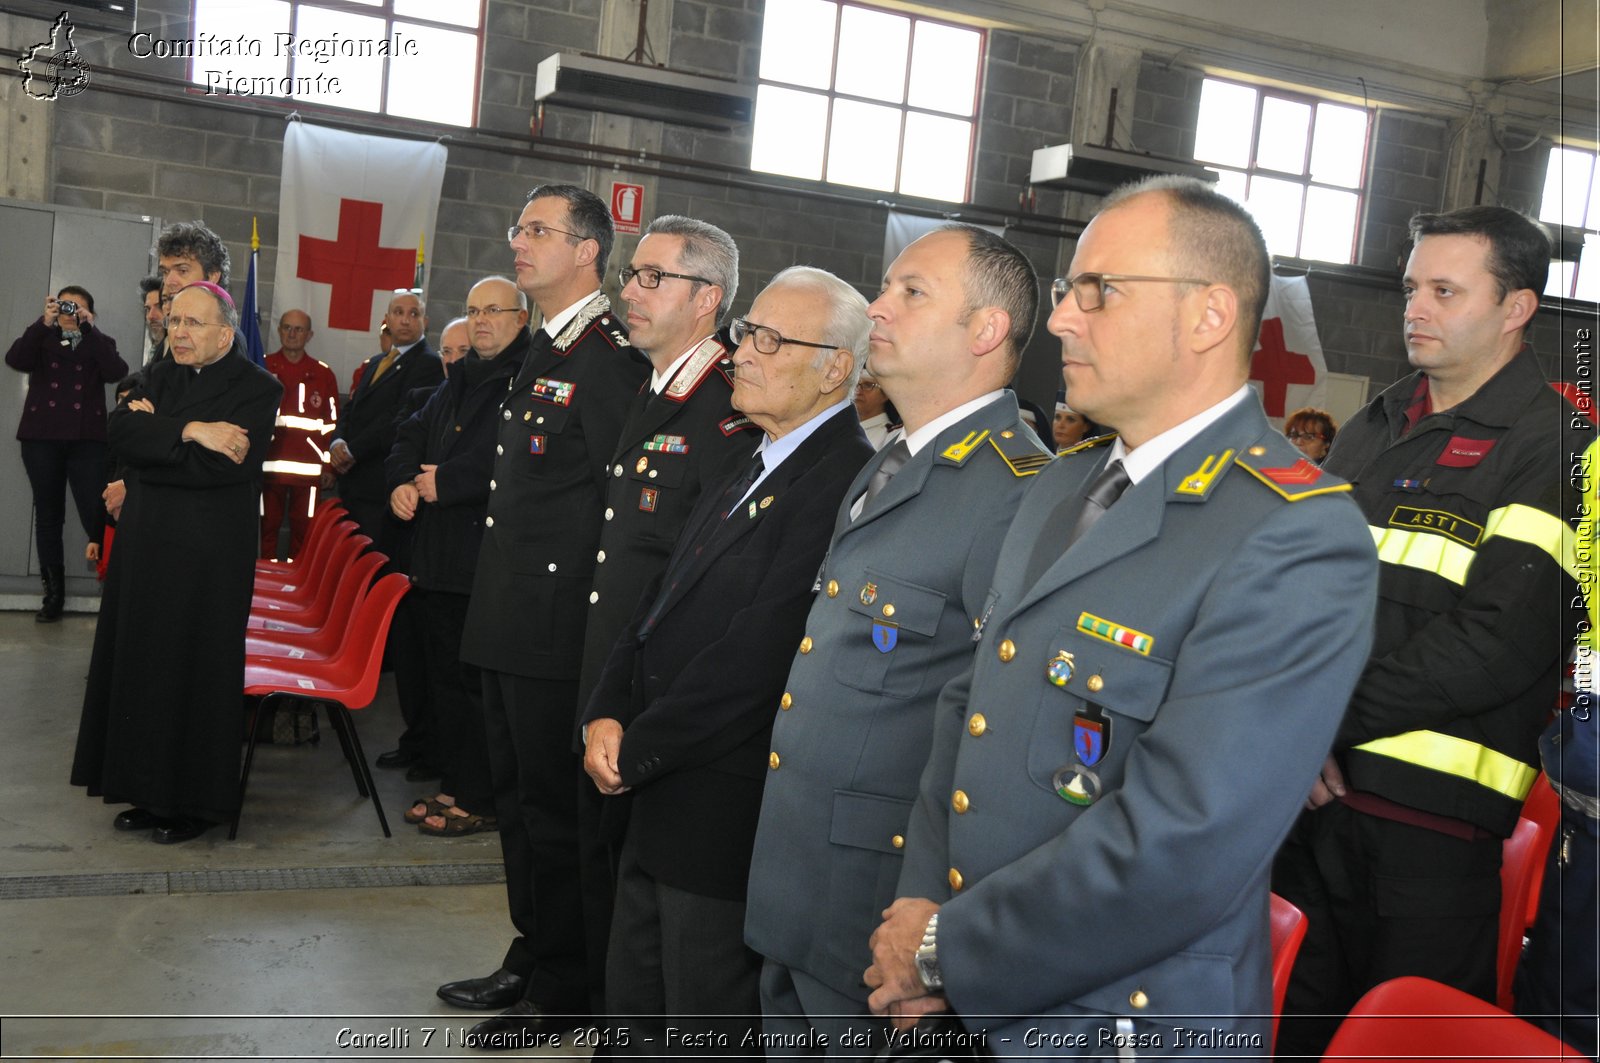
{"type": "Point", "coordinates": [368, 421]}
{"type": "Point", "coordinates": [455, 431]}
{"type": "Point", "coordinates": [696, 678]}
{"type": "Point", "coordinates": [672, 445]}
{"type": "Point", "coordinates": [66, 385]}
{"type": "Point", "coordinates": [558, 426]}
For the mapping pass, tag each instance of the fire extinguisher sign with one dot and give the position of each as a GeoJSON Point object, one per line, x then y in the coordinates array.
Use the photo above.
{"type": "Point", "coordinates": [627, 206]}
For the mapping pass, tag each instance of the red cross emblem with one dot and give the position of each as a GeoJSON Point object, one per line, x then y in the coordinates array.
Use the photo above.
{"type": "Point", "coordinates": [1276, 366]}
{"type": "Point", "coordinates": [355, 264]}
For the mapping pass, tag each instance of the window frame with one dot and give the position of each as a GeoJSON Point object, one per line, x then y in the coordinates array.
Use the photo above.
{"type": "Point", "coordinates": [383, 9]}
{"type": "Point", "coordinates": [1362, 190]}
{"type": "Point", "coordinates": [1570, 236]}
{"type": "Point", "coordinates": [905, 107]}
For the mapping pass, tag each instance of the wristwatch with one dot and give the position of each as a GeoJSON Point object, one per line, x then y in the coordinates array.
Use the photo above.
{"type": "Point", "coordinates": [928, 957]}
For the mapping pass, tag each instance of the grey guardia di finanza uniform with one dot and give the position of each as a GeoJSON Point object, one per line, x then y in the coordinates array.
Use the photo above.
{"type": "Point", "coordinates": [1188, 661]}
{"type": "Point", "coordinates": [900, 589]}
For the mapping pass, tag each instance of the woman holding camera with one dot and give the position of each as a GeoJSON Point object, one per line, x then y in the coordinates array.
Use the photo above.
{"type": "Point", "coordinates": [63, 431]}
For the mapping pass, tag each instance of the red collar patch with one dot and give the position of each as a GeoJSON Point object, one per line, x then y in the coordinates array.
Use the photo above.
{"type": "Point", "coordinates": [1464, 453]}
{"type": "Point", "coordinates": [1301, 472]}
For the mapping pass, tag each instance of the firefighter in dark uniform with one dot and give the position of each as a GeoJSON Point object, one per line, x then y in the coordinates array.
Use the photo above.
{"type": "Point", "coordinates": [559, 425]}
{"type": "Point", "coordinates": [1459, 470]}
{"type": "Point", "coordinates": [681, 433]}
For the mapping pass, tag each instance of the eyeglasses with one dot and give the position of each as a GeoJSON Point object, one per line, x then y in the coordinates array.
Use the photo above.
{"type": "Point", "coordinates": [1303, 437]}
{"type": "Point", "coordinates": [767, 340]}
{"type": "Point", "coordinates": [191, 323]}
{"type": "Point", "coordinates": [490, 312]}
{"type": "Point", "coordinates": [866, 385]}
{"type": "Point", "coordinates": [650, 277]}
{"type": "Point", "coordinates": [293, 330]}
{"type": "Point", "coordinates": [1089, 289]}
{"type": "Point", "coordinates": [538, 230]}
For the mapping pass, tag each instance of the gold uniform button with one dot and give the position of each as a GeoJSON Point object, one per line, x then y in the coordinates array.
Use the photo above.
{"type": "Point", "coordinates": [1008, 650]}
{"type": "Point", "coordinates": [1139, 999]}
{"type": "Point", "coordinates": [898, 841]}
{"type": "Point", "coordinates": [1007, 434]}
{"type": "Point", "coordinates": [955, 879]}
{"type": "Point", "coordinates": [1096, 684]}
{"type": "Point", "coordinates": [959, 802]}
{"type": "Point", "coordinates": [805, 644]}
{"type": "Point", "coordinates": [784, 702]}
{"type": "Point", "coordinates": [888, 610]}
{"type": "Point", "coordinates": [977, 725]}
{"type": "Point", "coordinates": [833, 588]}
{"type": "Point", "coordinates": [772, 761]}
{"type": "Point", "coordinates": [1257, 451]}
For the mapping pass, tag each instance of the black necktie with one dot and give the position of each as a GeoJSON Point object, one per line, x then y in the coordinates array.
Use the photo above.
{"type": "Point", "coordinates": [739, 487]}
{"type": "Point", "coordinates": [1106, 489]}
{"type": "Point", "coordinates": [894, 459]}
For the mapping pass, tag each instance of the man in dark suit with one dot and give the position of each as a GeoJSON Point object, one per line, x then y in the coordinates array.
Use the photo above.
{"type": "Point", "coordinates": [682, 715]}
{"type": "Point", "coordinates": [370, 418]}
{"type": "Point", "coordinates": [681, 433]}
{"type": "Point", "coordinates": [1086, 866]}
{"type": "Point", "coordinates": [559, 425]}
{"type": "Point", "coordinates": [905, 575]}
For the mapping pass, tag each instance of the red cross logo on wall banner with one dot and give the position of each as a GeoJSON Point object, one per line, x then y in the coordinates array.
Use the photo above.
{"type": "Point", "coordinates": [1277, 367]}
{"type": "Point", "coordinates": [356, 265]}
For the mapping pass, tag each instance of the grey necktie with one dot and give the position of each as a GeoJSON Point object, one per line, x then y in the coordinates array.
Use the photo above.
{"type": "Point", "coordinates": [1106, 489]}
{"type": "Point", "coordinates": [894, 459]}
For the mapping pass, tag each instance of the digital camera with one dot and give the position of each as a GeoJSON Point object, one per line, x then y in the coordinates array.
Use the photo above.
{"type": "Point", "coordinates": [67, 307]}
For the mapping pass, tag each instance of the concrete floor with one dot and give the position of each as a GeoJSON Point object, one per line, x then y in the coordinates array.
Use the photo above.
{"type": "Point", "coordinates": [309, 933]}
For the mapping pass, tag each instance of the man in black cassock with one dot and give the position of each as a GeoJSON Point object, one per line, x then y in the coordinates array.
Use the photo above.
{"type": "Point", "coordinates": [161, 715]}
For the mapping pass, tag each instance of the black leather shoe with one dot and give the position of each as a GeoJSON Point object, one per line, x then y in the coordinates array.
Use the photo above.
{"type": "Point", "coordinates": [135, 819]}
{"type": "Point", "coordinates": [499, 990]}
{"type": "Point", "coordinates": [523, 1025]}
{"type": "Point", "coordinates": [173, 831]}
{"type": "Point", "coordinates": [419, 772]}
{"type": "Point", "coordinates": [396, 758]}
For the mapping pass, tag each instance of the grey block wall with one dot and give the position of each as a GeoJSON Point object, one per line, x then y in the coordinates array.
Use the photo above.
{"type": "Point", "coordinates": [189, 157]}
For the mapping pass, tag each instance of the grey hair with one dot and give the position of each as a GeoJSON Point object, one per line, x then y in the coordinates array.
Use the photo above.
{"type": "Point", "coordinates": [452, 323]}
{"type": "Point", "coordinates": [847, 326]}
{"type": "Point", "coordinates": [707, 252]}
{"type": "Point", "coordinates": [522, 296]}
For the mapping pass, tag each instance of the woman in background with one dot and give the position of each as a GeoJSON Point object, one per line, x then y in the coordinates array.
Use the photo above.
{"type": "Point", "coordinates": [1312, 430]}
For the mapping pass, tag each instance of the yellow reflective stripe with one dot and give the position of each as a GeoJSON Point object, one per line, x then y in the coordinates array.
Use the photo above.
{"type": "Point", "coordinates": [1537, 528]}
{"type": "Point", "coordinates": [1459, 757]}
{"type": "Point", "coordinates": [1425, 550]}
{"type": "Point", "coordinates": [1431, 552]}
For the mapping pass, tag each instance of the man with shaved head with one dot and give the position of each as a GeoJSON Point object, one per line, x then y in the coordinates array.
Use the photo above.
{"type": "Point", "coordinates": [307, 418]}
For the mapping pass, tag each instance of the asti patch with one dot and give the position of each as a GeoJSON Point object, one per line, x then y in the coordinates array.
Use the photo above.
{"type": "Point", "coordinates": [1437, 520]}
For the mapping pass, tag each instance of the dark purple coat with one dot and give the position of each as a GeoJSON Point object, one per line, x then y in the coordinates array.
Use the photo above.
{"type": "Point", "coordinates": [66, 386]}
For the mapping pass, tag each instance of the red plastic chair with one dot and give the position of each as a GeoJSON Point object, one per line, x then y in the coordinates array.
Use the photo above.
{"type": "Point", "coordinates": [327, 638]}
{"type": "Point", "coordinates": [310, 612]}
{"type": "Point", "coordinates": [1288, 931]}
{"type": "Point", "coordinates": [329, 512]}
{"type": "Point", "coordinates": [323, 573]}
{"type": "Point", "coordinates": [1543, 806]}
{"type": "Point", "coordinates": [342, 683]}
{"type": "Point", "coordinates": [1405, 1019]}
{"type": "Point", "coordinates": [1522, 856]}
{"type": "Point", "coordinates": [312, 558]}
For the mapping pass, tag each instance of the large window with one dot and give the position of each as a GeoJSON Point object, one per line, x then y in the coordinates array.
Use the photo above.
{"type": "Point", "coordinates": [409, 58]}
{"type": "Point", "coordinates": [1572, 202]}
{"type": "Point", "coordinates": [865, 97]}
{"type": "Point", "coordinates": [1298, 163]}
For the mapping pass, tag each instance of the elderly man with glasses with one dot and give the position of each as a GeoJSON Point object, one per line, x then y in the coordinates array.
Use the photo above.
{"type": "Point", "coordinates": [680, 721]}
{"type": "Point", "coordinates": [156, 732]}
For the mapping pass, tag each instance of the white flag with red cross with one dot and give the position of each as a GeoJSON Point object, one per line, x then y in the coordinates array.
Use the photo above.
{"type": "Point", "coordinates": [1287, 367]}
{"type": "Point", "coordinates": [354, 214]}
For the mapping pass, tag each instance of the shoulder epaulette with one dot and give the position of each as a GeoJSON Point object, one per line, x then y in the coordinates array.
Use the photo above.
{"type": "Point", "coordinates": [596, 312]}
{"type": "Point", "coordinates": [693, 373]}
{"type": "Point", "coordinates": [1293, 482]}
{"type": "Point", "coordinates": [1022, 452]}
{"type": "Point", "coordinates": [1088, 444]}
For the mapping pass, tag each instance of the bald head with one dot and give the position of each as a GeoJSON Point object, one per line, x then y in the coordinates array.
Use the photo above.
{"type": "Point", "coordinates": [294, 331]}
{"type": "Point", "coordinates": [497, 313]}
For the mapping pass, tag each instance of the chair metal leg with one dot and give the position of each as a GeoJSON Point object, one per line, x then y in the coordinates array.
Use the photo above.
{"type": "Point", "coordinates": [366, 772]}
{"type": "Point", "coordinates": [339, 724]}
{"type": "Point", "coordinates": [249, 758]}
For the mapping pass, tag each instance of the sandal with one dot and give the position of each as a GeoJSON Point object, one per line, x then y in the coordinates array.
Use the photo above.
{"type": "Point", "coordinates": [431, 806]}
{"type": "Point", "coordinates": [459, 826]}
